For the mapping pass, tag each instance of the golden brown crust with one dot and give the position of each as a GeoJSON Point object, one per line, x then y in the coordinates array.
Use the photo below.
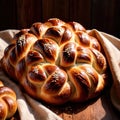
{"type": "Point", "coordinates": [8, 104]}
{"type": "Point", "coordinates": [56, 62]}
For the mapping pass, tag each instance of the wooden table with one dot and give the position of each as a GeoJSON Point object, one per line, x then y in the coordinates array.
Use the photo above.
{"type": "Point", "coordinates": [100, 108]}
{"type": "Point", "coordinates": [97, 109]}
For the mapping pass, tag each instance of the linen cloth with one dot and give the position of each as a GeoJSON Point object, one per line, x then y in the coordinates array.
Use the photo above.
{"type": "Point", "coordinates": [30, 109]}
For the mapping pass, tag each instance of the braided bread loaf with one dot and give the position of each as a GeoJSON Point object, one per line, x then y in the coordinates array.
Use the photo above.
{"type": "Point", "coordinates": [8, 105]}
{"type": "Point", "coordinates": [56, 62]}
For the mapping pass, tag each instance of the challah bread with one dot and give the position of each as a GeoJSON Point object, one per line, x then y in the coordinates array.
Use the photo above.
{"type": "Point", "coordinates": [8, 104]}
{"type": "Point", "coordinates": [56, 62]}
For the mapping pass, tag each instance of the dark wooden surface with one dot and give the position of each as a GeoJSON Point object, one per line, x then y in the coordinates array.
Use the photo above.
{"type": "Point", "coordinates": [100, 108]}
{"type": "Point", "coordinates": [103, 15]}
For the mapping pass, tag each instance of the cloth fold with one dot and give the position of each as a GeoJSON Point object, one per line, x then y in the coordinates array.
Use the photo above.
{"type": "Point", "coordinates": [30, 109]}
{"type": "Point", "coordinates": [111, 46]}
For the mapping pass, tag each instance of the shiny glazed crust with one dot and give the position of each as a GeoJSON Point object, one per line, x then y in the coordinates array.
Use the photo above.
{"type": "Point", "coordinates": [56, 62]}
{"type": "Point", "coordinates": [8, 104]}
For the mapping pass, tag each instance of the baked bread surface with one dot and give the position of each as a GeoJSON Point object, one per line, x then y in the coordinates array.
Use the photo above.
{"type": "Point", "coordinates": [56, 62]}
{"type": "Point", "coordinates": [8, 104]}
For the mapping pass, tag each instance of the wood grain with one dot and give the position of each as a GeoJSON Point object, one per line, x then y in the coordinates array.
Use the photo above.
{"type": "Point", "coordinates": [28, 12]}
{"type": "Point", "coordinates": [100, 108]}
{"type": "Point", "coordinates": [103, 15]}
{"type": "Point", "coordinates": [55, 8]}
{"type": "Point", "coordinates": [8, 14]}
{"type": "Point", "coordinates": [80, 11]}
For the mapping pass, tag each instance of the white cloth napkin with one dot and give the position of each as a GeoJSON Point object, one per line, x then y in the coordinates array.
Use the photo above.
{"type": "Point", "coordinates": [30, 109]}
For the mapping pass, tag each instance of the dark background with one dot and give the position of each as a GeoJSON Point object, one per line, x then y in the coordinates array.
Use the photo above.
{"type": "Point", "coordinates": [103, 15]}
